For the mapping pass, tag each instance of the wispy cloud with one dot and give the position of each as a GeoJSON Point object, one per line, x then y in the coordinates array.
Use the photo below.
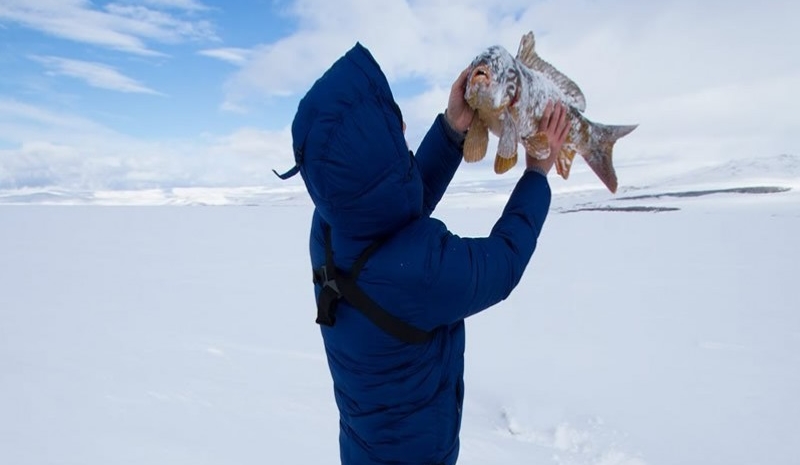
{"type": "Point", "coordinates": [116, 26]}
{"type": "Point", "coordinates": [53, 148]}
{"type": "Point", "coordinates": [236, 56]}
{"type": "Point", "coordinates": [40, 120]}
{"type": "Point", "coordinates": [188, 5]}
{"type": "Point", "coordinates": [95, 74]}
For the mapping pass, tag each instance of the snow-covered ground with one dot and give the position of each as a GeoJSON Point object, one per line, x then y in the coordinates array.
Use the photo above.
{"type": "Point", "coordinates": [656, 326]}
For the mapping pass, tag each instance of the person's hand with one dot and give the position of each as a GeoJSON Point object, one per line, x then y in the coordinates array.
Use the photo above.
{"type": "Point", "coordinates": [459, 114]}
{"type": "Point", "coordinates": [555, 125]}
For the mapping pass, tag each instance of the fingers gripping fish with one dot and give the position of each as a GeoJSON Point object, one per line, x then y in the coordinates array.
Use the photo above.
{"type": "Point", "coordinates": [510, 94]}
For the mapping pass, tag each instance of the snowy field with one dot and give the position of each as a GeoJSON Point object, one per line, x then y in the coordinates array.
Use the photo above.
{"type": "Point", "coordinates": [660, 325]}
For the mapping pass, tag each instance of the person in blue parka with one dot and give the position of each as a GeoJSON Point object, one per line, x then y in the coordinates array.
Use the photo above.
{"type": "Point", "coordinates": [400, 401]}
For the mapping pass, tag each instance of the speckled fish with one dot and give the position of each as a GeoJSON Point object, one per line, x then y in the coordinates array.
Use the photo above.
{"type": "Point", "coordinates": [510, 94]}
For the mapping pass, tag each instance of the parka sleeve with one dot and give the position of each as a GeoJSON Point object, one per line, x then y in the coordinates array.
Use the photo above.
{"type": "Point", "coordinates": [472, 274]}
{"type": "Point", "coordinates": [438, 158]}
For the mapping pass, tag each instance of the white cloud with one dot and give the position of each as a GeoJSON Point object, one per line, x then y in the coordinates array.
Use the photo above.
{"type": "Point", "coordinates": [159, 25]}
{"type": "Point", "coordinates": [50, 148]}
{"type": "Point", "coordinates": [95, 74]}
{"type": "Point", "coordinates": [433, 40]}
{"type": "Point", "coordinates": [119, 27]}
{"type": "Point", "coordinates": [685, 70]}
{"type": "Point", "coordinates": [428, 41]}
{"type": "Point", "coordinates": [255, 152]}
{"type": "Point", "coordinates": [188, 5]}
{"type": "Point", "coordinates": [236, 56]}
{"type": "Point", "coordinates": [705, 80]}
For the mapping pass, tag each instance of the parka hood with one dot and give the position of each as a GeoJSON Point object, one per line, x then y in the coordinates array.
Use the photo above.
{"type": "Point", "coordinates": [348, 142]}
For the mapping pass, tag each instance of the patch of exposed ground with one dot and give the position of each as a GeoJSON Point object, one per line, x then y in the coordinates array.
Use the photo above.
{"type": "Point", "coordinates": [733, 190]}
{"type": "Point", "coordinates": [634, 209]}
{"type": "Point", "coordinates": [589, 207]}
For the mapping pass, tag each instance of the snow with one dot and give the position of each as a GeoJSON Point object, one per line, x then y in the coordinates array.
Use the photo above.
{"type": "Point", "coordinates": [136, 334]}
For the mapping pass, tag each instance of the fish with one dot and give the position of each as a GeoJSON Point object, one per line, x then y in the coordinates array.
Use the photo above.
{"type": "Point", "coordinates": [509, 95]}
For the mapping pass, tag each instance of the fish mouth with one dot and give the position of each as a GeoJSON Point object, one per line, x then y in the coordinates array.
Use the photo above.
{"type": "Point", "coordinates": [480, 74]}
{"type": "Point", "coordinates": [479, 81]}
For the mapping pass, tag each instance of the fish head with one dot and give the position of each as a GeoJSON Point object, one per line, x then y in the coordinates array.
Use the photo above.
{"type": "Point", "coordinates": [493, 83]}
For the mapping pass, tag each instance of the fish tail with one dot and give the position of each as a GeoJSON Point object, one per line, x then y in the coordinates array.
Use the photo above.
{"type": "Point", "coordinates": [601, 139]}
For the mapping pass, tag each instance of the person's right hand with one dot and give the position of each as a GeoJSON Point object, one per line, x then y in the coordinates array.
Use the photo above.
{"type": "Point", "coordinates": [553, 123]}
{"type": "Point", "coordinates": [459, 114]}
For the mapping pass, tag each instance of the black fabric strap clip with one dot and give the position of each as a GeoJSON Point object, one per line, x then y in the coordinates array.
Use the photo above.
{"type": "Point", "coordinates": [328, 297]}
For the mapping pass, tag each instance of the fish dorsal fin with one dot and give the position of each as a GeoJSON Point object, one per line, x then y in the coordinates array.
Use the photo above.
{"type": "Point", "coordinates": [528, 57]}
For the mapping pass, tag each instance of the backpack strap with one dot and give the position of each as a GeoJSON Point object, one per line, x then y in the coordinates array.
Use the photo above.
{"type": "Point", "coordinates": [337, 285]}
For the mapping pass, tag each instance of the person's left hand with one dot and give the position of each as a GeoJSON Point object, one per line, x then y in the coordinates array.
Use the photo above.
{"type": "Point", "coordinates": [459, 114]}
{"type": "Point", "coordinates": [555, 125]}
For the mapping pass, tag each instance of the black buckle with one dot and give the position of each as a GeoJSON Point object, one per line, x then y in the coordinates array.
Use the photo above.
{"type": "Point", "coordinates": [324, 279]}
{"type": "Point", "coordinates": [328, 297]}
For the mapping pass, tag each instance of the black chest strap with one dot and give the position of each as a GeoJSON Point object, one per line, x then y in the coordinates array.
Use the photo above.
{"type": "Point", "coordinates": [337, 285]}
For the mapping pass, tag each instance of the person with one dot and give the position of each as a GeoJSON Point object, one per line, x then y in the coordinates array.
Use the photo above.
{"type": "Point", "coordinates": [398, 371]}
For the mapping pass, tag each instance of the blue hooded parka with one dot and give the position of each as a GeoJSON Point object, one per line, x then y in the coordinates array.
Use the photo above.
{"type": "Point", "coordinates": [400, 403]}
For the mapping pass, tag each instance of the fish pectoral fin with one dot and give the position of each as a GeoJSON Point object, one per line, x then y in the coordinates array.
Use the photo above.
{"type": "Point", "coordinates": [538, 146]}
{"type": "Point", "coordinates": [527, 56]}
{"type": "Point", "coordinates": [564, 161]}
{"type": "Point", "coordinates": [477, 141]}
{"type": "Point", "coordinates": [509, 137]}
{"type": "Point", "coordinates": [507, 145]}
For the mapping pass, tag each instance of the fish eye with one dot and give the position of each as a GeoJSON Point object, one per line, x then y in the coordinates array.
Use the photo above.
{"type": "Point", "coordinates": [511, 90]}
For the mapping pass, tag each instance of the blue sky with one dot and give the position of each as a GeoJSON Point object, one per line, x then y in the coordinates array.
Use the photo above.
{"type": "Point", "coordinates": [131, 94]}
{"type": "Point", "coordinates": [157, 86]}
